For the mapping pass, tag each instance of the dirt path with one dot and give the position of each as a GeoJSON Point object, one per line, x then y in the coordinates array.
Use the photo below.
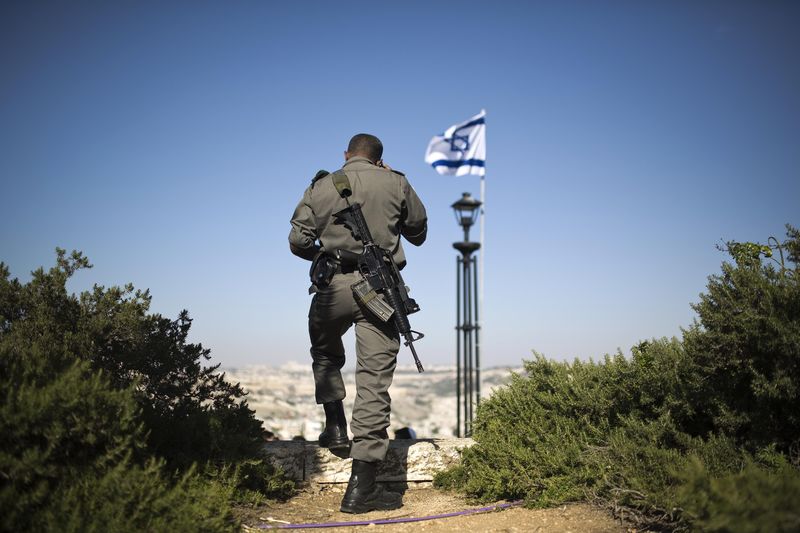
{"type": "Point", "coordinates": [321, 505]}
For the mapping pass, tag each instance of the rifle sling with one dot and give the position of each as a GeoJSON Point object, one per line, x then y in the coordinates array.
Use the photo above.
{"type": "Point", "coordinates": [342, 183]}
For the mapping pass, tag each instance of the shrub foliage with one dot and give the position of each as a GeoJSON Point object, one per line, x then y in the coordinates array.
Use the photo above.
{"type": "Point", "coordinates": [107, 408]}
{"type": "Point", "coordinates": [699, 432]}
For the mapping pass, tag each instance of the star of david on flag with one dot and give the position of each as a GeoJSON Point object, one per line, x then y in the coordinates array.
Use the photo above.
{"type": "Point", "coordinates": [460, 150]}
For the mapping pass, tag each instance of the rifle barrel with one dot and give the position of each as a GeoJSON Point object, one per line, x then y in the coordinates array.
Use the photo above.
{"type": "Point", "coordinates": [410, 344]}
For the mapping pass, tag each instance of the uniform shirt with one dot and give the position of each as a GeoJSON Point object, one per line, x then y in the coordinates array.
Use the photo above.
{"type": "Point", "coordinates": [389, 203]}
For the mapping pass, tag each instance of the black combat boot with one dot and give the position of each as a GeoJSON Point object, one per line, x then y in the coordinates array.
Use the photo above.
{"type": "Point", "coordinates": [335, 435]}
{"type": "Point", "coordinates": [364, 495]}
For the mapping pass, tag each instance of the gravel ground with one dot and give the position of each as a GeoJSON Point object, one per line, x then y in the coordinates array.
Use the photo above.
{"type": "Point", "coordinates": [320, 504]}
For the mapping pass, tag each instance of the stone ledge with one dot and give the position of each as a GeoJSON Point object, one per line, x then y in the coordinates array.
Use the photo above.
{"type": "Point", "coordinates": [408, 461]}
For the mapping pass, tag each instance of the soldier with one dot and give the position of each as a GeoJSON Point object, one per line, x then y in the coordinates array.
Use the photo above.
{"type": "Point", "coordinates": [392, 209]}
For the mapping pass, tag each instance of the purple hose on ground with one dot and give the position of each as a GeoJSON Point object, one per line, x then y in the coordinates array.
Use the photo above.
{"type": "Point", "coordinates": [495, 507]}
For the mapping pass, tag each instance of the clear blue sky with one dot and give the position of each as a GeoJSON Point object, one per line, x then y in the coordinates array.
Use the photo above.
{"type": "Point", "coordinates": [171, 141]}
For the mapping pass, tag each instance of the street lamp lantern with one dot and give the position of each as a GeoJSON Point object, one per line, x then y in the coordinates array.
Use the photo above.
{"type": "Point", "coordinates": [466, 210]}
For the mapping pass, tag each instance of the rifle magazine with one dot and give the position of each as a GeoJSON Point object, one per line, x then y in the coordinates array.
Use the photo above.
{"type": "Point", "coordinates": [373, 301]}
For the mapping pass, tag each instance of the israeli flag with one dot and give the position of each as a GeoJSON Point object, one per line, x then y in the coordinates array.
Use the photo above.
{"type": "Point", "coordinates": [460, 150]}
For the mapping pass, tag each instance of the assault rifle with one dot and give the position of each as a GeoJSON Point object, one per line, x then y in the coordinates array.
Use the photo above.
{"type": "Point", "coordinates": [381, 276]}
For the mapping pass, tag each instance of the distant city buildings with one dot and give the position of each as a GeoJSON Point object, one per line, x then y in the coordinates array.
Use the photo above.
{"type": "Point", "coordinates": [283, 397]}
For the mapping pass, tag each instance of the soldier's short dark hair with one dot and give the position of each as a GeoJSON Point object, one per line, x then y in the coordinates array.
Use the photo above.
{"type": "Point", "coordinates": [366, 145]}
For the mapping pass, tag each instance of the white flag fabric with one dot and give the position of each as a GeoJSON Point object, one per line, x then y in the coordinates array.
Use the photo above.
{"type": "Point", "coordinates": [460, 150]}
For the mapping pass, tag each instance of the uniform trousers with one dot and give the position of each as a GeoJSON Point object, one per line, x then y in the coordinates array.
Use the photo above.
{"type": "Point", "coordinates": [333, 310]}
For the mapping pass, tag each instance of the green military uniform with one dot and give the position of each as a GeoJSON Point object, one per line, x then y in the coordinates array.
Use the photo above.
{"type": "Point", "coordinates": [392, 209]}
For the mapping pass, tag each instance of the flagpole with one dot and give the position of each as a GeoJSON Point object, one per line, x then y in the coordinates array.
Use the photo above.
{"type": "Point", "coordinates": [462, 146]}
{"type": "Point", "coordinates": [479, 323]}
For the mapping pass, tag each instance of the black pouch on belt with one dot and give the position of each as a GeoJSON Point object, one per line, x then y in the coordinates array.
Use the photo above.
{"type": "Point", "coordinates": [323, 267]}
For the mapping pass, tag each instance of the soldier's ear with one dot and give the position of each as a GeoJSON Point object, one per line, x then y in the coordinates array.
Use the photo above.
{"type": "Point", "coordinates": [346, 155]}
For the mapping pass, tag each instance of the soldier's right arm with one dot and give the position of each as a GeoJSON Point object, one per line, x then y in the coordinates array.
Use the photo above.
{"type": "Point", "coordinates": [415, 223]}
{"type": "Point", "coordinates": [303, 235]}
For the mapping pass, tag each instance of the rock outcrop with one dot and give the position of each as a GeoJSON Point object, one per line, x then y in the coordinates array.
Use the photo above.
{"type": "Point", "coordinates": [408, 461]}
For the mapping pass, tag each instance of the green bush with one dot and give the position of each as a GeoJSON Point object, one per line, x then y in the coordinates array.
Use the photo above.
{"type": "Point", "coordinates": [746, 347]}
{"type": "Point", "coordinates": [105, 411]}
{"type": "Point", "coordinates": [71, 425]}
{"type": "Point", "coordinates": [129, 497]}
{"type": "Point", "coordinates": [191, 413]}
{"type": "Point", "coordinates": [252, 481]}
{"type": "Point", "coordinates": [66, 460]}
{"type": "Point", "coordinates": [750, 499]}
{"type": "Point", "coordinates": [630, 432]}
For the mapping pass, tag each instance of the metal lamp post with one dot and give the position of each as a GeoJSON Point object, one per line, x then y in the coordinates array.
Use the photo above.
{"type": "Point", "coordinates": [468, 368]}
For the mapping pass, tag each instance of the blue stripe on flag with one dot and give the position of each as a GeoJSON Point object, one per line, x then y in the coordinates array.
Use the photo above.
{"type": "Point", "coordinates": [456, 164]}
{"type": "Point", "coordinates": [475, 122]}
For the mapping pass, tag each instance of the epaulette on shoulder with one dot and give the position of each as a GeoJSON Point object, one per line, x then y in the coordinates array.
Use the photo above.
{"type": "Point", "coordinates": [318, 176]}
{"type": "Point", "coordinates": [398, 172]}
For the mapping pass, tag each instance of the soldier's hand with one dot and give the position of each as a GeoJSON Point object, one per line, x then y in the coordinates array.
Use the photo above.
{"type": "Point", "coordinates": [381, 164]}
